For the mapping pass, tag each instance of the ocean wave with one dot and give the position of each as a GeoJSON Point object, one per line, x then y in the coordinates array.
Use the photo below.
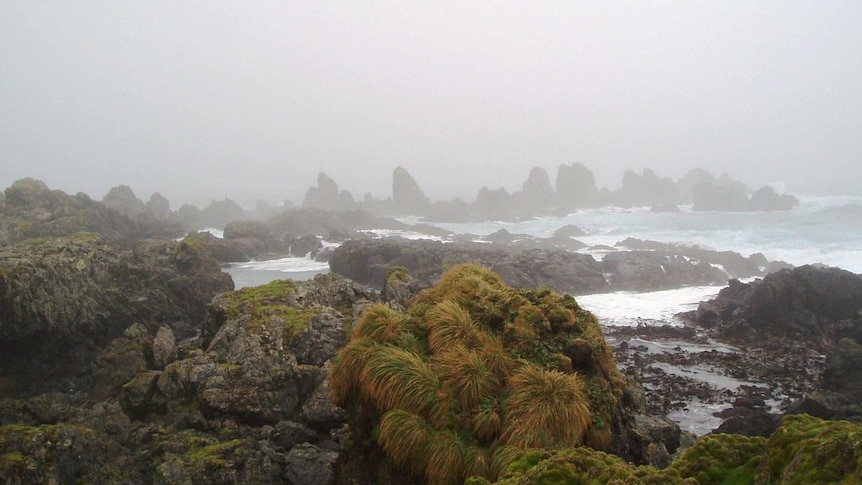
{"type": "Point", "coordinates": [285, 265]}
{"type": "Point", "coordinates": [629, 309]}
{"type": "Point", "coordinates": [412, 235]}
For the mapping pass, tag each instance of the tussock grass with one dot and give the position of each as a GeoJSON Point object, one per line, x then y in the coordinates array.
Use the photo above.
{"type": "Point", "coordinates": [404, 436]}
{"type": "Point", "coordinates": [447, 455]}
{"type": "Point", "coordinates": [395, 378]}
{"type": "Point", "coordinates": [449, 324]}
{"type": "Point", "coordinates": [381, 324]}
{"type": "Point", "coordinates": [468, 375]}
{"type": "Point", "coordinates": [546, 408]}
{"type": "Point", "coordinates": [475, 372]}
{"type": "Point", "coordinates": [346, 371]}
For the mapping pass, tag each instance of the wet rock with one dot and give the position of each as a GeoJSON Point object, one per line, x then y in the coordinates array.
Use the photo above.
{"type": "Point", "coordinates": [307, 464]}
{"type": "Point", "coordinates": [399, 286]}
{"type": "Point", "coordinates": [843, 371]}
{"type": "Point", "coordinates": [321, 339]}
{"type": "Point", "coordinates": [368, 261]}
{"type": "Point", "coordinates": [164, 347]}
{"type": "Point", "coordinates": [288, 434]}
{"type": "Point", "coordinates": [124, 358]}
{"type": "Point", "coordinates": [809, 304]}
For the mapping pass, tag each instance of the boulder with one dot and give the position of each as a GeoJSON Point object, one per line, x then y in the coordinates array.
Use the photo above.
{"type": "Point", "coordinates": [307, 464]}
{"type": "Point", "coordinates": [164, 347]}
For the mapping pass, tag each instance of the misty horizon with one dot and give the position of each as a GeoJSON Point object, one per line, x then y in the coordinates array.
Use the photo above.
{"type": "Point", "coordinates": [251, 102]}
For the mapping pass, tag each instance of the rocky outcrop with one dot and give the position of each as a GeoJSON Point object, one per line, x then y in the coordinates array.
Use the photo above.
{"type": "Point", "coordinates": [708, 197]}
{"type": "Point", "coordinates": [368, 261]}
{"type": "Point", "coordinates": [576, 188]}
{"type": "Point", "coordinates": [537, 195]}
{"type": "Point", "coordinates": [492, 205]}
{"type": "Point", "coordinates": [330, 225]}
{"type": "Point", "coordinates": [327, 197]}
{"type": "Point", "coordinates": [811, 304]}
{"type": "Point", "coordinates": [407, 197]}
{"type": "Point", "coordinates": [247, 402]}
{"type": "Point", "coordinates": [61, 299]}
{"type": "Point", "coordinates": [124, 201]}
{"type": "Point", "coordinates": [32, 210]}
{"type": "Point", "coordinates": [767, 199]}
{"type": "Point", "coordinates": [645, 190]}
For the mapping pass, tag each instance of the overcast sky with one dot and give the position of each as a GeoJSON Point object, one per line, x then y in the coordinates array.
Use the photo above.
{"type": "Point", "coordinates": [250, 100]}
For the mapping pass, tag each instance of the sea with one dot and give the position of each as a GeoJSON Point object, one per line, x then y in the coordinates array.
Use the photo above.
{"type": "Point", "coordinates": [825, 230]}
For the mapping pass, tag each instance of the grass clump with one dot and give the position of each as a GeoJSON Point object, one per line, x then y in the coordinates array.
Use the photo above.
{"type": "Point", "coordinates": [457, 385]}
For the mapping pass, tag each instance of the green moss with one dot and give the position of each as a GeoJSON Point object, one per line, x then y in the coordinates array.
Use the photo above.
{"type": "Point", "coordinates": [214, 454]}
{"type": "Point", "coordinates": [274, 300]}
{"type": "Point", "coordinates": [274, 293]}
{"type": "Point", "coordinates": [583, 466]}
{"type": "Point", "coordinates": [397, 273]}
{"type": "Point", "coordinates": [11, 459]}
{"type": "Point", "coordinates": [807, 450]}
{"type": "Point", "coordinates": [721, 458]}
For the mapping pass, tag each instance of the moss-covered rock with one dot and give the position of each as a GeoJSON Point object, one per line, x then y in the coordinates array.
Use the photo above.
{"type": "Point", "coordinates": [63, 299]}
{"type": "Point", "coordinates": [61, 453]}
{"type": "Point", "coordinates": [722, 458]}
{"type": "Point", "coordinates": [191, 457]}
{"type": "Point", "coordinates": [582, 466]}
{"type": "Point", "coordinates": [807, 450]}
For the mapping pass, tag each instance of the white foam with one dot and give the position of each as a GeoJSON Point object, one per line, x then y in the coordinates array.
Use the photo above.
{"type": "Point", "coordinates": [285, 265]}
{"type": "Point", "coordinates": [799, 236]}
{"type": "Point", "coordinates": [629, 309]}
{"type": "Point", "coordinates": [412, 235]}
{"type": "Point", "coordinates": [215, 232]}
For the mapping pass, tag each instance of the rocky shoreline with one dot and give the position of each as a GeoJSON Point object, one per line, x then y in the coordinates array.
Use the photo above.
{"type": "Point", "coordinates": [125, 356]}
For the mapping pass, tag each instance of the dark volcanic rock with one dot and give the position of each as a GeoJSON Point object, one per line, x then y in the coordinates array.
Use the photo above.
{"type": "Point", "coordinates": [61, 299]}
{"type": "Point", "coordinates": [222, 250]}
{"type": "Point", "coordinates": [843, 372]}
{"type": "Point", "coordinates": [368, 261]}
{"type": "Point", "coordinates": [654, 270]}
{"type": "Point", "coordinates": [818, 305]}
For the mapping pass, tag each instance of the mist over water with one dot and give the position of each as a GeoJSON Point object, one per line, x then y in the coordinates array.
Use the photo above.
{"type": "Point", "coordinates": [251, 100]}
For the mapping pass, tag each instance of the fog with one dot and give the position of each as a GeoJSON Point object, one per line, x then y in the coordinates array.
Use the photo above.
{"type": "Point", "coordinates": [250, 100]}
